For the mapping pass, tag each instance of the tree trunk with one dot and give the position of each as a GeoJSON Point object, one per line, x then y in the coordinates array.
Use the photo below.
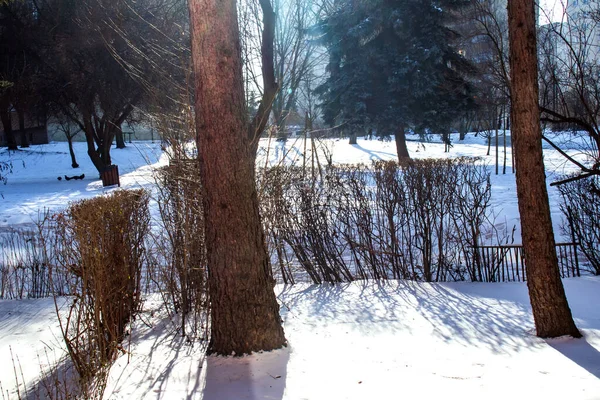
{"type": "Point", "coordinates": [71, 152]}
{"type": "Point", "coordinates": [8, 132]}
{"type": "Point", "coordinates": [401, 149]}
{"type": "Point", "coordinates": [244, 311]}
{"type": "Point", "coordinates": [119, 138]}
{"type": "Point", "coordinates": [504, 161]}
{"type": "Point", "coordinates": [23, 134]}
{"type": "Point", "coordinates": [282, 133]}
{"type": "Point", "coordinates": [551, 311]}
{"type": "Point", "coordinates": [106, 138]}
{"type": "Point", "coordinates": [353, 137]}
{"type": "Point", "coordinates": [92, 151]}
{"type": "Point", "coordinates": [497, 150]}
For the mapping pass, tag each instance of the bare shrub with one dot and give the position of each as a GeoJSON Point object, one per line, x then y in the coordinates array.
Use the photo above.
{"type": "Point", "coordinates": [23, 266]}
{"type": "Point", "coordinates": [581, 208]}
{"type": "Point", "coordinates": [420, 220]}
{"type": "Point", "coordinates": [275, 182]}
{"type": "Point", "coordinates": [297, 214]}
{"type": "Point", "coordinates": [103, 246]}
{"type": "Point", "coordinates": [180, 267]}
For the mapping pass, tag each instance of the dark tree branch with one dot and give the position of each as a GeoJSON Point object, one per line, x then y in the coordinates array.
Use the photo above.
{"type": "Point", "coordinates": [268, 71]}
{"type": "Point", "coordinates": [575, 178]}
{"type": "Point", "coordinates": [557, 118]}
{"type": "Point", "coordinates": [568, 157]}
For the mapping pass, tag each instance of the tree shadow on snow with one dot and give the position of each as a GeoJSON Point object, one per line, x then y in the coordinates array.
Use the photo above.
{"type": "Point", "coordinates": [253, 377]}
{"type": "Point", "coordinates": [374, 154]}
{"type": "Point", "coordinates": [580, 352]}
{"type": "Point", "coordinates": [460, 313]}
{"type": "Point", "coordinates": [59, 381]}
{"type": "Point", "coordinates": [495, 316]}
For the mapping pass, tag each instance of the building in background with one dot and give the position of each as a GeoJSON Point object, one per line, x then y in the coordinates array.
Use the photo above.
{"type": "Point", "coordinates": [35, 128]}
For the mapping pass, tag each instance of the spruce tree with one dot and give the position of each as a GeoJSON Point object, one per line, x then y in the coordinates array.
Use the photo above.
{"type": "Point", "coordinates": [392, 66]}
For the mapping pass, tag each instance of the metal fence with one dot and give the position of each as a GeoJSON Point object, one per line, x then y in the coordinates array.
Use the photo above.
{"type": "Point", "coordinates": [506, 263]}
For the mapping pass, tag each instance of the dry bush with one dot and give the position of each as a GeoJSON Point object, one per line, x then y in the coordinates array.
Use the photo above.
{"type": "Point", "coordinates": [180, 253]}
{"type": "Point", "coordinates": [102, 244]}
{"type": "Point", "coordinates": [581, 208]}
{"type": "Point", "coordinates": [300, 225]}
{"type": "Point", "coordinates": [23, 265]}
{"type": "Point", "coordinates": [420, 220]}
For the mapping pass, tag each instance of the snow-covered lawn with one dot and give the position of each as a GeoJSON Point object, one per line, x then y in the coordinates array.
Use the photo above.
{"type": "Point", "coordinates": [33, 185]}
{"type": "Point", "coordinates": [375, 340]}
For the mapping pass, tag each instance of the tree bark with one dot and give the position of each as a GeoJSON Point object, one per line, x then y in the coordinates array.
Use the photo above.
{"type": "Point", "coordinates": [551, 311]}
{"type": "Point", "coordinates": [23, 133]}
{"type": "Point", "coordinates": [244, 311]}
{"type": "Point", "coordinates": [401, 149]}
{"type": "Point", "coordinates": [119, 138]}
{"type": "Point", "coordinates": [72, 152]}
{"type": "Point", "coordinates": [353, 137]}
{"type": "Point", "coordinates": [90, 138]}
{"type": "Point", "coordinates": [7, 125]}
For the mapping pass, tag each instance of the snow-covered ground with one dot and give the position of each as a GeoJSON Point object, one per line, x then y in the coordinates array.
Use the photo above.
{"type": "Point", "coordinates": [387, 340]}
{"type": "Point", "coordinates": [352, 341]}
{"type": "Point", "coordinates": [33, 185]}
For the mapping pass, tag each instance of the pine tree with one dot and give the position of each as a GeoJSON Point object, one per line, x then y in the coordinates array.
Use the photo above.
{"type": "Point", "coordinates": [244, 310]}
{"type": "Point", "coordinates": [392, 66]}
{"type": "Point", "coordinates": [551, 310]}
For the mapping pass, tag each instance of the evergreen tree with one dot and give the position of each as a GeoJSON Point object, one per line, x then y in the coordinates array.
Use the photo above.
{"type": "Point", "coordinates": [549, 304]}
{"type": "Point", "coordinates": [392, 66]}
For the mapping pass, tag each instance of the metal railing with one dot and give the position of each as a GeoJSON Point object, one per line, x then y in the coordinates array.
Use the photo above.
{"type": "Point", "coordinates": [506, 263]}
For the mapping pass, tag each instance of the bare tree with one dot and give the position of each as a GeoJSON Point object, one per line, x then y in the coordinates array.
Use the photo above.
{"type": "Point", "coordinates": [486, 44]}
{"type": "Point", "coordinates": [295, 56]}
{"type": "Point", "coordinates": [551, 311]}
{"type": "Point", "coordinates": [103, 59]}
{"type": "Point", "coordinates": [570, 83]}
{"type": "Point", "coordinates": [244, 310]}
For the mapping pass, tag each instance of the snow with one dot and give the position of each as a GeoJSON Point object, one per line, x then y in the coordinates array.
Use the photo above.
{"type": "Point", "coordinates": [33, 186]}
{"type": "Point", "coordinates": [362, 340]}
{"type": "Point", "coordinates": [379, 340]}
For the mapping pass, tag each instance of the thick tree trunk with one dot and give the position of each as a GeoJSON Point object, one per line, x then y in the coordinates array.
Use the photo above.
{"type": "Point", "coordinates": [401, 149]}
{"type": "Point", "coordinates": [244, 310]}
{"type": "Point", "coordinates": [8, 132]}
{"type": "Point", "coordinates": [551, 311]}
{"type": "Point", "coordinates": [93, 154]}
{"type": "Point", "coordinates": [282, 133]}
{"type": "Point", "coordinates": [88, 131]}
{"type": "Point", "coordinates": [23, 134]}
{"type": "Point", "coordinates": [353, 137]}
{"type": "Point", "coordinates": [119, 138]}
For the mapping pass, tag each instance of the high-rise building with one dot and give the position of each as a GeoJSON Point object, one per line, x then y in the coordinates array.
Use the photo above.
{"type": "Point", "coordinates": [583, 32]}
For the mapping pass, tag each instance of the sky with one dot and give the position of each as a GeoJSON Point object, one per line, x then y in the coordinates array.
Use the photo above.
{"type": "Point", "coordinates": [551, 10]}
